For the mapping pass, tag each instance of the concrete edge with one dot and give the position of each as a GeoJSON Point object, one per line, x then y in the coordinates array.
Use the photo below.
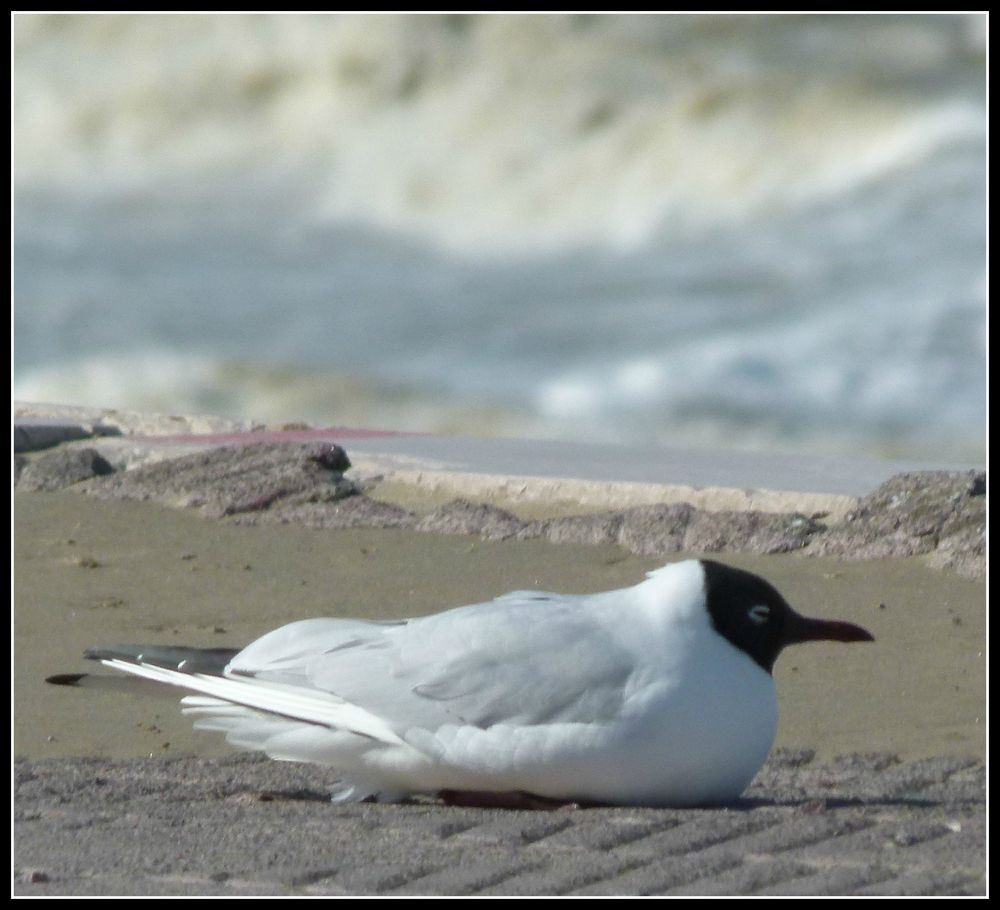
{"type": "Point", "coordinates": [592, 495]}
{"type": "Point", "coordinates": [428, 472]}
{"type": "Point", "coordinates": [433, 480]}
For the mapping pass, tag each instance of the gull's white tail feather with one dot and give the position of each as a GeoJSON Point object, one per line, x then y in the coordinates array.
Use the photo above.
{"type": "Point", "coordinates": [309, 706]}
{"type": "Point", "coordinates": [286, 724]}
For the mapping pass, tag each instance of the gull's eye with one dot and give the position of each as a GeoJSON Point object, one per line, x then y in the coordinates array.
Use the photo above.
{"type": "Point", "coordinates": [759, 614]}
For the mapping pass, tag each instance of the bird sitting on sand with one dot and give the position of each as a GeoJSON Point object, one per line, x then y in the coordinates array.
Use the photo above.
{"type": "Point", "coordinates": [660, 694]}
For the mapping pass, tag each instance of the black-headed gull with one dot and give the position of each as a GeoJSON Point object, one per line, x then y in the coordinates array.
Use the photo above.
{"type": "Point", "coordinates": [659, 695]}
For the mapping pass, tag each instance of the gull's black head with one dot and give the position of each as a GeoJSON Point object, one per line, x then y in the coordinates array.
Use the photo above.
{"type": "Point", "coordinates": [753, 616]}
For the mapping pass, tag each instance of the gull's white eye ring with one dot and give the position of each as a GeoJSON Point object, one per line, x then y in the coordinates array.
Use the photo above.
{"type": "Point", "coordinates": [759, 614]}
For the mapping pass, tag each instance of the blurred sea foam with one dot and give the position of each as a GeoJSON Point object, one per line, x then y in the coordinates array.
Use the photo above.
{"type": "Point", "coordinates": [757, 231]}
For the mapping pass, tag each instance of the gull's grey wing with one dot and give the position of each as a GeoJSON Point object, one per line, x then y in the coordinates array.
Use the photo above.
{"type": "Point", "coordinates": [525, 658]}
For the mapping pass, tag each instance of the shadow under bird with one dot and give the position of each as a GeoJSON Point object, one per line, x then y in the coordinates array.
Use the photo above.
{"type": "Point", "coordinates": [660, 694]}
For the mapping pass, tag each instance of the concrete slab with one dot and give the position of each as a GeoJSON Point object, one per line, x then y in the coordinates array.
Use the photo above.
{"type": "Point", "coordinates": [586, 475]}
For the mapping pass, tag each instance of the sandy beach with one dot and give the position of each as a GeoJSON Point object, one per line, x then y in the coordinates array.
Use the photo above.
{"type": "Point", "coordinates": [90, 572]}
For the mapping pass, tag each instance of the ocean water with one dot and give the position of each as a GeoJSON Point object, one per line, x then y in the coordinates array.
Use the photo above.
{"type": "Point", "coordinates": [754, 231]}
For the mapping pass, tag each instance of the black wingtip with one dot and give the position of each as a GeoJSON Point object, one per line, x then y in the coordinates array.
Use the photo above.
{"type": "Point", "coordinates": [187, 660]}
{"type": "Point", "coordinates": [113, 652]}
{"type": "Point", "coordinates": [116, 682]}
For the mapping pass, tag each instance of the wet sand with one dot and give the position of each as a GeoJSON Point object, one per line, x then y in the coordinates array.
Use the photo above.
{"type": "Point", "coordinates": [90, 572]}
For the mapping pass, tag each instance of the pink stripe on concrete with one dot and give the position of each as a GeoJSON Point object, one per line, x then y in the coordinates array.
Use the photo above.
{"type": "Point", "coordinates": [325, 434]}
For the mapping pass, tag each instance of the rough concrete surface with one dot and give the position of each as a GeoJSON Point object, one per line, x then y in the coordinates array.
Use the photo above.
{"type": "Point", "coordinates": [863, 825]}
